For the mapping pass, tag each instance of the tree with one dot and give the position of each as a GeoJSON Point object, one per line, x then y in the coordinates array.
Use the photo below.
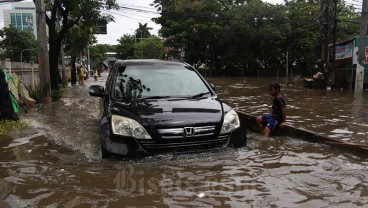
{"type": "Point", "coordinates": [189, 26]}
{"type": "Point", "coordinates": [348, 22]}
{"type": "Point", "coordinates": [250, 33]}
{"type": "Point", "coordinates": [14, 42]}
{"type": "Point", "coordinates": [79, 38]}
{"type": "Point", "coordinates": [304, 40]}
{"type": "Point", "coordinates": [98, 53]}
{"type": "Point", "coordinates": [125, 47]}
{"type": "Point", "coordinates": [71, 13]}
{"type": "Point", "coordinates": [218, 33]}
{"type": "Point", "coordinates": [150, 48]}
{"type": "Point", "coordinates": [253, 36]}
{"type": "Point", "coordinates": [142, 32]}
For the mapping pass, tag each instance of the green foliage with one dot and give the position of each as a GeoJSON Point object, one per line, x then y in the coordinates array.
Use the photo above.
{"type": "Point", "coordinates": [58, 93]}
{"type": "Point", "coordinates": [250, 34]}
{"type": "Point", "coordinates": [142, 32]}
{"type": "Point", "coordinates": [348, 22]}
{"type": "Point", "coordinates": [55, 94]}
{"type": "Point", "coordinates": [14, 41]}
{"type": "Point", "coordinates": [79, 38]}
{"type": "Point", "coordinates": [73, 13]}
{"type": "Point", "coordinates": [254, 33]}
{"type": "Point", "coordinates": [151, 48]}
{"type": "Point", "coordinates": [98, 53]}
{"type": "Point", "coordinates": [125, 47]}
{"type": "Point", "coordinates": [7, 126]}
{"type": "Point", "coordinates": [305, 35]}
{"type": "Point", "coordinates": [36, 95]}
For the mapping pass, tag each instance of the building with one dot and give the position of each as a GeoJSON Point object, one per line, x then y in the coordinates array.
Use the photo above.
{"type": "Point", "coordinates": [22, 16]}
{"type": "Point", "coordinates": [346, 59]}
{"type": "Point", "coordinates": [111, 58]}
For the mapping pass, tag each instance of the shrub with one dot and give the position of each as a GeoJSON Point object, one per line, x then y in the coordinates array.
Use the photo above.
{"type": "Point", "coordinates": [55, 94]}
{"type": "Point", "coordinates": [7, 126]}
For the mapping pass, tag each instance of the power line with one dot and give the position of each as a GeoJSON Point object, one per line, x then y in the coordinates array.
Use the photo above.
{"type": "Point", "coordinates": [139, 14]}
{"type": "Point", "coordinates": [111, 12]}
{"type": "Point", "coordinates": [357, 1]}
{"type": "Point", "coordinates": [138, 7]}
{"type": "Point", "coordinates": [205, 17]}
{"type": "Point", "coordinates": [139, 10]}
{"type": "Point", "coordinates": [9, 1]}
{"type": "Point", "coordinates": [177, 14]}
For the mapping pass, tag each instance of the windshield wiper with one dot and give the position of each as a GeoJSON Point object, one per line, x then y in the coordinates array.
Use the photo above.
{"type": "Point", "coordinates": [200, 95]}
{"type": "Point", "coordinates": [153, 97]}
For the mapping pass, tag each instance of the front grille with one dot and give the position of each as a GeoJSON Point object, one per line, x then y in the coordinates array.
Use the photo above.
{"type": "Point", "coordinates": [202, 138]}
{"type": "Point", "coordinates": [178, 133]}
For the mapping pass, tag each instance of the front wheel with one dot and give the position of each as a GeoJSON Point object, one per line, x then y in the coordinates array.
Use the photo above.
{"type": "Point", "coordinates": [105, 154]}
{"type": "Point", "coordinates": [105, 133]}
{"type": "Point", "coordinates": [238, 137]}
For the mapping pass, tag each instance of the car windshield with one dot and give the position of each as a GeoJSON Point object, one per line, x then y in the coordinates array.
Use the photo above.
{"type": "Point", "coordinates": [158, 81]}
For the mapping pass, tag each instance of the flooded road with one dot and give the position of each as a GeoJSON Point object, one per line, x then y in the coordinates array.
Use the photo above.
{"type": "Point", "coordinates": [339, 114]}
{"type": "Point", "coordinates": [56, 162]}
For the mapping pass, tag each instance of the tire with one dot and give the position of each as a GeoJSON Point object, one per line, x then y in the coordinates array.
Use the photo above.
{"type": "Point", "coordinates": [238, 138]}
{"type": "Point", "coordinates": [105, 154]}
{"type": "Point", "coordinates": [105, 133]}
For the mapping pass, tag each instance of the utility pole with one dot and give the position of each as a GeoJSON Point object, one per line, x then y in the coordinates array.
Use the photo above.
{"type": "Point", "coordinates": [359, 75]}
{"type": "Point", "coordinates": [325, 33]}
{"type": "Point", "coordinates": [43, 59]}
{"type": "Point", "coordinates": [88, 59]}
{"type": "Point", "coordinates": [287, 67]}
{"type": "Point", "coordinates": [334, 37]}
{"type": "Point", "coordinates": [63, 71]}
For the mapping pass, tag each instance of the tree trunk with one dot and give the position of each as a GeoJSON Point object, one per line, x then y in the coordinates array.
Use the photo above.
{"type": "Point", "coordinates": [54, 54]}
{"type": "Point", "coordinates": [73, 70]}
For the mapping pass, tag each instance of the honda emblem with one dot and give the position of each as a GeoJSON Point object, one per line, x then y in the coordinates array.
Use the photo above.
{"type": "Point", "coordinates": [188, 131]}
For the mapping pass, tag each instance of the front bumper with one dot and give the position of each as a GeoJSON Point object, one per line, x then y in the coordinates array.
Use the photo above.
{"type": "Point", "coordinates": [128, 146]}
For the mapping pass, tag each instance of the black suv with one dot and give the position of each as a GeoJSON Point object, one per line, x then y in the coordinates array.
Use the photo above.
{"type": "Point", "coordinates": [157, 106]}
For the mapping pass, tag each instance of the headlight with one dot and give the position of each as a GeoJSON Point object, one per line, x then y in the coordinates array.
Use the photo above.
{"type": "Point", "coordinates": [231, 122]}
{"type": "Point", "coordinates": [128, 127]}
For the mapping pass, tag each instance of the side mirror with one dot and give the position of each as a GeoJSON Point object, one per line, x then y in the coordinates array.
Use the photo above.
{"type": "Point", "coordinates": [212, 86]}
{"type": "Point", "coordinates": [96, 91]}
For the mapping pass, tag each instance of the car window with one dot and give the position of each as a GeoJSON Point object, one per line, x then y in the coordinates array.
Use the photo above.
{"type": "Point", "coordinates": [141, 81]}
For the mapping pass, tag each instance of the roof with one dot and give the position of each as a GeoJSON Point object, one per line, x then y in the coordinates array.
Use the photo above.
{"type": "Point", "coordinates": [343, 42]}
{"type": "Point", "coordinates": [131, 62]}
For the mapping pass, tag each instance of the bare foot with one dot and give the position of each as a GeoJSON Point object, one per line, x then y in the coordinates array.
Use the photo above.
{"type": "Point", "coordinates": [282, 125]}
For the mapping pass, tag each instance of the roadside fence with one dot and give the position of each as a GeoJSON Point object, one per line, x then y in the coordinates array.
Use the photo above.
{"type": "Point", "coordinates": [28, 73]}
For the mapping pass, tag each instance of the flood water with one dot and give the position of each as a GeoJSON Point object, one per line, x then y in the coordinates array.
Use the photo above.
{"type": "Point", "coordinates": [56, 161]}
{"type": "Point", "coordinates": [340, 114]}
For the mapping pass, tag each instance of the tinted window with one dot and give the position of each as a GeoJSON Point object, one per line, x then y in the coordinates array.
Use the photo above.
{"type": "Point", "coordinates": [157, 80]}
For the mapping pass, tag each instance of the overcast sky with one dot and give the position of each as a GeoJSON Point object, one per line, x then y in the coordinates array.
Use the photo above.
{"type": "Point", "coordinates": [127, 19]}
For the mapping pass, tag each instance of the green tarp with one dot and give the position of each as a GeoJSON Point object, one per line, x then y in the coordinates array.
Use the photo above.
{"type": "Point", "coordinates": [12, 98]}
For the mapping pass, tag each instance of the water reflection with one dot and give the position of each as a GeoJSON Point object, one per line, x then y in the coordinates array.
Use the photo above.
{"type": "Point", "coordinates": [60, 165]}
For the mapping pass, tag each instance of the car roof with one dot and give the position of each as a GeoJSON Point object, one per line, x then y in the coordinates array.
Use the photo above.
{"type": "Point", "coordinates": [136, 62]}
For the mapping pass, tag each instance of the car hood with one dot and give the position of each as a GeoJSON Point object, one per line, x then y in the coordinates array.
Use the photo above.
{"type": "Point", "coordinates": [172, 112]}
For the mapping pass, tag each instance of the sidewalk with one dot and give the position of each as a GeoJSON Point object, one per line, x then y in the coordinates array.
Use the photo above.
{"type": "Point", "coordinates": [91, 81]}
